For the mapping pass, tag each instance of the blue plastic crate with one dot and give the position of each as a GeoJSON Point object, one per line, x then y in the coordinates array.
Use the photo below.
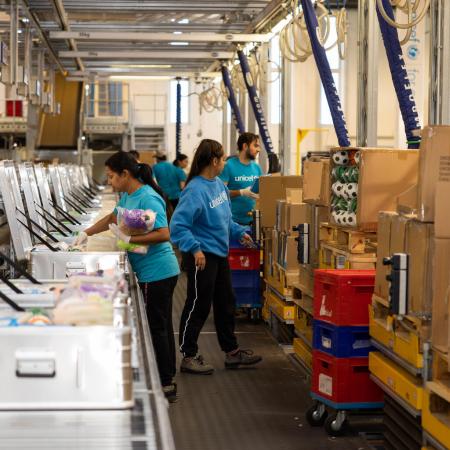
{"type": "Point", "coordinates": [246, 286]}
{"type": "Point", "coordinates": [342, 342]}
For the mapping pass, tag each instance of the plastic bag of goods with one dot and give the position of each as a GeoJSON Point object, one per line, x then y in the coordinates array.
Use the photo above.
{"type": "Point", "coordinates": [134, 222]}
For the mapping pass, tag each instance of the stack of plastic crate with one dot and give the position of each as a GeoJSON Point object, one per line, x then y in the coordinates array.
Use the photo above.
{"type": "Point", "coordinates": [341, 345]}
{"type": "Point", "coordinates": [245, 265]}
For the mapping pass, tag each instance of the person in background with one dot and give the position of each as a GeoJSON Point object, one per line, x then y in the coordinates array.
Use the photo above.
{"type": "Point", "coordinates": [170, 178]}
{"type": "Point", "coordinates": [181, 161]}
{"type": "Point", "coordinates": [201, 227]}
{"type": "Point", "coordinates": [157, 271]}
{"type": "Point", "coordinates": [135, 154]}
{"type": "Point", "coordinates": [239, 176]}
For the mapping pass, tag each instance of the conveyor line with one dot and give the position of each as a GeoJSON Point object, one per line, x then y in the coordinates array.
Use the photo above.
{"type": "Point", "coordinates": [145, 427]}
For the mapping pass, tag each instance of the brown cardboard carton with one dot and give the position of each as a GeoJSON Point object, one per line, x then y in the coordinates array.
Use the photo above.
{"type": "Point", "coordinates": [294, 195]}
{"type": "Point", "coordinates": [385, 219]}
{"type": "Point", "coordinates": [407, 201]}
{"type": "Point", "coordinates": [442, 211]}
{"type": "Point", "coordinates": [306, 280]}
{"type": "Point", "coordinates": [441, 289]}
{"type": "Point", "coordinates": [419, 247]}
{"type": "Point", "coordinates": [281, 212]}
{"type": "Point", "coordinates": [398, 234]}
{"type": "Point", "coordinates": [316, 181]}
{"type": "Point", "coordinates": [271, 189]}
{"type": "Point", "coordinates": [290, 253]}
{"type": "Point", "coordinates": [297, 213]}
{"type": "Point", "coordinates": [434, 166]}
{"type": "Point", "coordinates": [383, 175]}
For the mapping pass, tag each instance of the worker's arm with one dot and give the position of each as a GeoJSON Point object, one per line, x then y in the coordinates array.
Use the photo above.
{"type": "Point", "coordinates": [234, 193]}
{"type": "Point", "coordinates": [154, 237]}
{"type": "Point", "coordinates": [101, 225]}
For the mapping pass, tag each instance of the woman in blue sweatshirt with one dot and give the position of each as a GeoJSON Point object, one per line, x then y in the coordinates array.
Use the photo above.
{"type": "Point", "coordinates": [201, 227]}
{"type": "Point", "coordinates": [157, 271]}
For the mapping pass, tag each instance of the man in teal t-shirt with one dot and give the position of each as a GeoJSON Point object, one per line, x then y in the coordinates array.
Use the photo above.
{"type": "Point", "coordinates": [170, 178]}
{"type": "Point", "coordinates": [239, 174]}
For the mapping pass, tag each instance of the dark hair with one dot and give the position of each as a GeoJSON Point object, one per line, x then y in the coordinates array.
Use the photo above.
{"type": "Point", "coordinates": [161, 157]}
{"type": "Point", "coordinates": [207, 150]}
{"type": "Point", "coordinates": [246, 138]}
{"type": "Point", "coordinates": [135, 153]}
{"type": "Point", "coordinates": [121, 161]}
{"type": "Point", "coordinates": [180, 157]}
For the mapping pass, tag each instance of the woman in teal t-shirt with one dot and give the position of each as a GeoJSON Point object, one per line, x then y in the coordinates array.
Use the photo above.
{"type": "Point", "coordinates": [157, 271]}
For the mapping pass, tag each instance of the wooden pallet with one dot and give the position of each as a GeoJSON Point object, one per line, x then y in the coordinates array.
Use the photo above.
{"type": "Point", "coordinates": [333, 257]}
{"type": "Point", "coordinates": [347, 239]}
{"type": "Point", "coordinates": [303, 300]}
{"type": "Point", "coordinates": [440, 383]}
{"type": "Point", "coordinates": [282, 280]}
{"type": "Point", "coordinates": [303, 324]}
{"type": "Point", "coordinates": [436, 415]}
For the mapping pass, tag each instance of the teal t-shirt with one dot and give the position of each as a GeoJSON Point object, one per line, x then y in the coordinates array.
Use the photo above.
{"type": "Point", "coordinates": [240, 176]}
{"type": "Point", "coordinates": [168, 177]}
{"type": "Point", "coordinates": [160, 261]}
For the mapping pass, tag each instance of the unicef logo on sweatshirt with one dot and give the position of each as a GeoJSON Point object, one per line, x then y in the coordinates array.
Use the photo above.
{"type": "Point", "coordinates": [222, 198]}
{"type": "Point", "coordinates": [246, 178]}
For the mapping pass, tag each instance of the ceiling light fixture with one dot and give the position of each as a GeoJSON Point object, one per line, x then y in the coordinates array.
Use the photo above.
{"type": "Point", "coordinates": [179, 43]}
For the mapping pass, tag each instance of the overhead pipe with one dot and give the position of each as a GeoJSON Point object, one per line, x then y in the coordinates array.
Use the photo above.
{"type": "Point", "coordinates": [400, 77]}
{"type": "Point", "coordinates": [326, 75]}
{"type": "Point", "coordinates": [274, 165]}
{"type": "Point", "coordinates": [236, 113]}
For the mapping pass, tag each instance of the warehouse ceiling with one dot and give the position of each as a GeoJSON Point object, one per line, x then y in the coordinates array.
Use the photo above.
{"type": "Point", "coordinates": [145, 36]}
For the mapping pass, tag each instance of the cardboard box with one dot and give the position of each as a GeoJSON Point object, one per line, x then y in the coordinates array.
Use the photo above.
{"type": "Point", "coordinates": [271, 189]}
{"type": "Point", "coordinates": [441, 289]}
{"type": "Point", "coordinates": [384, 174]}
{"type": "Point", "coordinates": [298, 213]}
{"type": "Point", "coordinates": [281, 215]}
{"type": "Point", "coordinates": [419, 247]}
{"type": "Point", "coordinates": [316, 181]}
{"type": "Point", "coordinates": [407, 201]}
{"type": "Point", "coordinates": [294, 195]}
{"type": "Point", "coordinates": [290, 253]}
{"type": "Point", "coordinates": [306, 280]}
{"type": "Point", "coordinates": [434, 166]}
{"type": "Point", "coordinates": [385, 218]}
{"type": "Point", "coordinates": [442, 211]}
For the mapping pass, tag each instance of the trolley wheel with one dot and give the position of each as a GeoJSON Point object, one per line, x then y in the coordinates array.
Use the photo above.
{"type": "Point", "coordinates": [316, 415]}
{"type": "Point", "coordinates": [336, 424]}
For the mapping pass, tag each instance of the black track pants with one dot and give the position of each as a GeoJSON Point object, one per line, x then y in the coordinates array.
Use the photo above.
{"type": "Point", "coordinates": [205, 287]}
{"type": "Point", "coordinates": [158, 304]}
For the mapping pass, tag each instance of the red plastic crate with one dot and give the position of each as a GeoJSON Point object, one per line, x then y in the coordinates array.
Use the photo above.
{"type": "Point", "coordinates": [342, 297]}
{"type": "Point", "coordinates": [343, 380]}
{"type": "Point", "coordinates": [244, 259]}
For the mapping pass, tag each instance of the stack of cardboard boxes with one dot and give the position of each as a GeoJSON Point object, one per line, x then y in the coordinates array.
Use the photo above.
{"type": "Point", "coordinates": [419, 228]}
{"type": "Point", "coordinates": [279, 203]}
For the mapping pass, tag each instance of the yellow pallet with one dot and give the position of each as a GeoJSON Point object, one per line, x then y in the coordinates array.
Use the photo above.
{"type": "Point", "coordinates": [265, 313]}
{"type": "Point", "coordinates": [303, 324]}
{"type": "Point", "coordinates": [399, 381]}
{"type": "Point", "coordinates": [436, 417]}
{"type": "Point", "coordinates": [303, 352]}
{"type": "Point", "coordinates": [281, 308]}
{"type": "Point", "coordinates": [388, 331]}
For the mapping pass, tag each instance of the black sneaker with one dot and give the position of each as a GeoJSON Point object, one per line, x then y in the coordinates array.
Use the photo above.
{"type": "Point", "coordinates": [241, 358]}
{"type": "Point", "coordinates": [170, 392]}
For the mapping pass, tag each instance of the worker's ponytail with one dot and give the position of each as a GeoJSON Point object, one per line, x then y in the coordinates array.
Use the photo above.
{"type": "Point", "coordinates": [207, 150]}
{"type": "Point", "coordinates": [121, 161]}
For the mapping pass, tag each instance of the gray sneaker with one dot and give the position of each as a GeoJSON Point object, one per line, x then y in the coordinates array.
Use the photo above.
{"type": "Point", "coordinates": [241, 358]}
{"type": "Point", "coordinates": [196, 365]}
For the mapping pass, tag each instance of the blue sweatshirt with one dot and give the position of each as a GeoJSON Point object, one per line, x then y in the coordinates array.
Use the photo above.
{"type": "Point", "coordinates": [202, 219]}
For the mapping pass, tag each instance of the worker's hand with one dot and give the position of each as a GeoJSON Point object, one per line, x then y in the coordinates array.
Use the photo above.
{"type": "Point", "coordinates": [119, 234]}
{"type": "Point", "coordinates": [200, 260]}
{"type": "Point", "coordinates": [81, 239]}
{"type": "Point", "coordinates": [247, 241]}
{"type": "Point", "coordinates": [248, 193]}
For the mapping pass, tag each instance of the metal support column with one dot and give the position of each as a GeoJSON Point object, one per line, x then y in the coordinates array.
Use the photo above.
{"type": "Point", "coordinates": [225, 135]}
{"type": "Point", "coordinates": [439, 104]}
{"type": "Point", "coordinates": [286, 114]}
{"type": "Point", "coordinates": [367, 101]}
{"type": "Point", "coordinates": [178, 123]}
{"type": "Point", "coordinates": [13, 42]}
